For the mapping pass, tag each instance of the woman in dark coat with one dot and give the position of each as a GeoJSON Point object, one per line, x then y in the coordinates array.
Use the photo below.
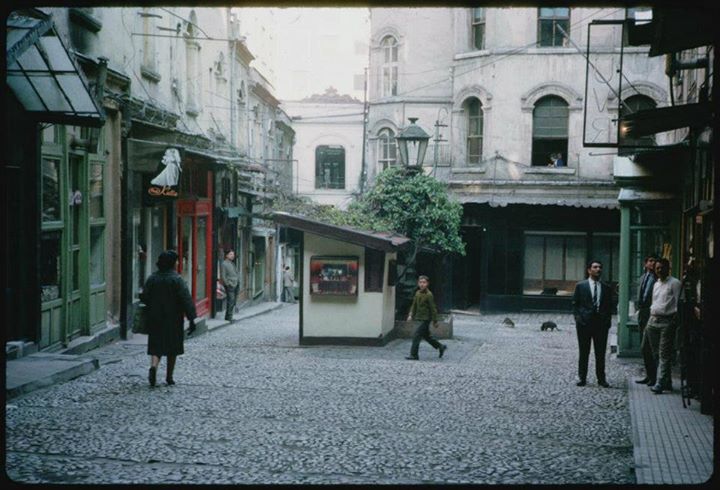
{"type": "Point", "coordinates": [167, 299]}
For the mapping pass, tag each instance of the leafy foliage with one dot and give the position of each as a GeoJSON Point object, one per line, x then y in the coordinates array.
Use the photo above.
{"type": "Point", "coordinates": [417, 206]}
{"type": "Point", "coordinates": [413, 204]}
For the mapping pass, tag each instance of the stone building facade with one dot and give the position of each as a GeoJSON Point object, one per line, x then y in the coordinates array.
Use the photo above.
{"type": "Point", "coordinates": [501, 91]}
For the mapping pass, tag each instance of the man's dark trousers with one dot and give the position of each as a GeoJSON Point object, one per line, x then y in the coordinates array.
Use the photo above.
{"type": "Point", "coordinates": [596, 333]}
{"type": "Point", "coordinates": [423, 332]}
{"type": "Point", "coordinates": [645, 348]}
{"type": "Point", "coordinates": [230, 299]}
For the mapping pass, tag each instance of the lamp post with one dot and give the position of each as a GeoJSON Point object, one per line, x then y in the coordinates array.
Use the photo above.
{"type": "Point", "coordinates": [412, 143]}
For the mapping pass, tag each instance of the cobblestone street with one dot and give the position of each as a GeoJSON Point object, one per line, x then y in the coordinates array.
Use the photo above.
{"type": "Point", "coordinates": [251, 406]}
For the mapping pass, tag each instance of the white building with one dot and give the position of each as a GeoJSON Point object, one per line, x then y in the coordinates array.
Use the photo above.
{"type": "Point", "coordinates": [328, 147]}
{"type": "Point", "coordinates": [507, 90]}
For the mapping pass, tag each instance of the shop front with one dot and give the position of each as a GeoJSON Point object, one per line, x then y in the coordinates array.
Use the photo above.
{"type": "Point", "coordinates": [54, 188]}
{"type": "Point", "coordinates": [648, 226]}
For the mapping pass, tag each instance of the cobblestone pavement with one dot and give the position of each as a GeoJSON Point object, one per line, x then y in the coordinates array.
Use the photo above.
{"type": "Point", "coordinates": [251, 406]}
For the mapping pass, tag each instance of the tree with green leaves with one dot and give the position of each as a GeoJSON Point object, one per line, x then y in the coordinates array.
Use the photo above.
{"type": "Point", "coordinates": [406, 202]}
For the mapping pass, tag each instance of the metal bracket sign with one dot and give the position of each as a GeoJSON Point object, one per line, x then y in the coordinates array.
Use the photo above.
{"type": "Point", "coordinates": [603, 83]}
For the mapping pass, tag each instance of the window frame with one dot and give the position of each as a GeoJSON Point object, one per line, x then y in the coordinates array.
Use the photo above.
{"type": "Point", "coordinates": [479, 117]}
{"type": "Point", "coordinates": [551, 144]}
{"type": "Point", "coordinates": [554, 19]}
{"type": "Point", "coordinates": [319, 165]}
{"type": "Point", "coordinates": [389, 67]}
{"type": "Point", "coordinates": [386, 139]}
{"type": "Point", "coordinates": [374, 270]}
{"type": "Point", "coordinates": [476, 22]}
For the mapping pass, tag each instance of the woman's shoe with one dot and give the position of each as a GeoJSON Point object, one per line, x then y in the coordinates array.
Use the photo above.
{"type": "Point", "coordinates": [169, 381]}
{"type": "Point", "coordinates": [152, 376]}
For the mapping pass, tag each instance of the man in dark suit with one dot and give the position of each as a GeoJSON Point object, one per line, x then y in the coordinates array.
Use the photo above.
{"type": "Point", "coordinates": [644, 299]}
{"type": "Point", "coordinates": [592, 309]}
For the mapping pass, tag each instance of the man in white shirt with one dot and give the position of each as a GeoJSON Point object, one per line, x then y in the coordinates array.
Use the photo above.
{"type": "Point", "coordinates": [662, 323]}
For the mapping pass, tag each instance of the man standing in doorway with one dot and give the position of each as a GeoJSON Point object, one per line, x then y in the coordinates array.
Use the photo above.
{"type": "Point", "coordinates": [230, 279]}
{"type": "Point", "coordinates": [644, 299]}
{"type": "Point", "coordinates": [592, 309]}
{"type": "Point", "coordinates": [288, 280]}
{"type": "Point", "coordinates": [661, 325]}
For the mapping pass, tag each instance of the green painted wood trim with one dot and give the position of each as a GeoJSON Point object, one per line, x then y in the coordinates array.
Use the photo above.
{"type": "Point", "coordinates": [623, 335]}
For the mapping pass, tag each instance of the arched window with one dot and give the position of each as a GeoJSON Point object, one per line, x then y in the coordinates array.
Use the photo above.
{"type": "Point", "coordinates": [631, 105]}
{"type": "Point", "coordinates": [550, 130]}
{"type": "Point", "coordinates": [473, 109]}
{"type": "Point", "coordinates": [329, 167]}
{"type": "Point", "coordinates": [387, 148]}
{"type": "Point", "coordinates": [390, 66]}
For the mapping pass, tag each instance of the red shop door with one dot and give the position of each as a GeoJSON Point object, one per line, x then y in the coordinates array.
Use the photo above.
{"type": "Point", "coordinates": [195, 250]}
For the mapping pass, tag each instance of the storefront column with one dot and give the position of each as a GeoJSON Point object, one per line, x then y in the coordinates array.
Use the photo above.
{"type": "Point", "coordinates": [625, 336]}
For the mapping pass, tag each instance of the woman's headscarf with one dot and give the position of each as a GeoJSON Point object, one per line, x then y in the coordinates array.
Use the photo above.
{"type": "Point", "coordinates": [166, 260]}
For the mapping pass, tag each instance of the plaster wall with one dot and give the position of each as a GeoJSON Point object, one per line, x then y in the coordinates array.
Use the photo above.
{"type": "Point", "coordinates": [508, 77]}
{"type": "Point", "coordinates": [319, 130]}
{"type": "Point", "coordinates": [369, 315]}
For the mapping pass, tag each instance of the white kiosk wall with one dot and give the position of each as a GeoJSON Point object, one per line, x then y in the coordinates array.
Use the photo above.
{"type": "Point", "coordinates": [367, 315]}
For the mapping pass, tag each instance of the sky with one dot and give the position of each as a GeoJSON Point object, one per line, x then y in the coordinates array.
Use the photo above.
{"type": "Point", "coordinates": [320, 47]}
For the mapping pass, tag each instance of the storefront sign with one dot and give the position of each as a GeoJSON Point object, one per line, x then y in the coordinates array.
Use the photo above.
{"type": "Point", "coordinates": [334, 276]}
{"type": "Point", "coordinates": [165, 184]}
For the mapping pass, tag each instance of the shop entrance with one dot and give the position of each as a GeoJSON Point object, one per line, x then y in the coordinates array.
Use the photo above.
{"type": "Point", "coordinates": [195, 264]}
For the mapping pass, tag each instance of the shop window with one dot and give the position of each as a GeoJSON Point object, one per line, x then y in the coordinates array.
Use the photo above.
{"type": "Point", "coordinates": [97, 255]}
{"type": "Point", "coordinates": [201, 278]}
{"type": "Point", "coordinates": [629, 106]}
{"type": "Point", "coordinates": [97, 209]}
{"type": "Point", "coordinates": [374, 270]}
{"type": "Point", "coordinates": [390, 66]}
{"type": "Point", "coordinates": [473, 109]}
{"type": "Point", "coordinates": [554, 263]}
{"type": "Point", "coordinates": [387, 148]}
{"type": "Point", "coordinates": [606, 248]}
{"type": "Point", "coordinates": [549, 22]}
{"type": "Point", "coordinates": [50, 134]}
{"type": "Point", "coordinates": [50, 189]}
{"type": "Point", "coordinates": [478, 28]}
{"type": "Point", "coordinates": [329, 167]}
{"type": "Point", "coordinates": [550, 130]}
{"type": "Point", "coordinates": [50, 265]}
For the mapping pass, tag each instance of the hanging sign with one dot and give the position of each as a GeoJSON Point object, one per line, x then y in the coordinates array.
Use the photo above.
{"type": "Point", "coordinates": [165, 184]}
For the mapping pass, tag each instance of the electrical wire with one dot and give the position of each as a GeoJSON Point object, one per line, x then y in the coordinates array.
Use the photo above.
{"type": "Point", "coordinates": [501, 57]}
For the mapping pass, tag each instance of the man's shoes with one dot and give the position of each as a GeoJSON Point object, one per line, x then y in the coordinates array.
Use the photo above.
{"type": "Point", "coordinates": [657, 389]}
{"type": "Point", "coordinates": [651, 382]}
{"type": "Point", "coordinates": [582, 382]}
{"type": "Point", "coordinates": [442, 350]}
{"type": "Point", "coordinates": [170, 381]}
{"type": "Point", "coordinates": [152, 376]}
{"type": "Point", "coordinates": [643, 381]}
{"type": "Point", "coordinates": [604, 384]}
{"type": "Point", "coordinates": [412, 358]}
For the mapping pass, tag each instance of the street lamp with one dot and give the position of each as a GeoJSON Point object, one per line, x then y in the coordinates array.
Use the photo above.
{"type": "Point", "coordinates": [412, 143]}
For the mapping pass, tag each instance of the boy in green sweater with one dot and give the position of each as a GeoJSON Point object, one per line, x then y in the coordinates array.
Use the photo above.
{"type": "Point", "coordinates": [423, 309]}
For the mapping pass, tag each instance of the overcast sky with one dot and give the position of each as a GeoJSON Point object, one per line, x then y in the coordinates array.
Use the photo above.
{"type": "Point", "coordinates": [320, 47]}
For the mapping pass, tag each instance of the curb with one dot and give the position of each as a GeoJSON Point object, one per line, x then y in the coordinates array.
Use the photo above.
{"type": "Point", "coordinates": [241, 316]}
{"type": "Point", "coordinates": [81, 367]}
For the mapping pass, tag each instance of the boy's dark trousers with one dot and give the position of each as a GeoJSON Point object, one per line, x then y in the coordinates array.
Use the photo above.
{"type": "Point", "coordinates": [230, 299]}
{"type": "Point", "coordinates": [423, 332]}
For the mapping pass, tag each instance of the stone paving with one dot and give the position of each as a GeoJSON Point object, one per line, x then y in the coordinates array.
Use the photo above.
{"type": "Point", "coordinates": [251, 406]}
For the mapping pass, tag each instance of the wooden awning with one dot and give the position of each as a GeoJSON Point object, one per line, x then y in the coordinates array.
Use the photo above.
{"type": "Point", "coordinates": [388, 242]}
